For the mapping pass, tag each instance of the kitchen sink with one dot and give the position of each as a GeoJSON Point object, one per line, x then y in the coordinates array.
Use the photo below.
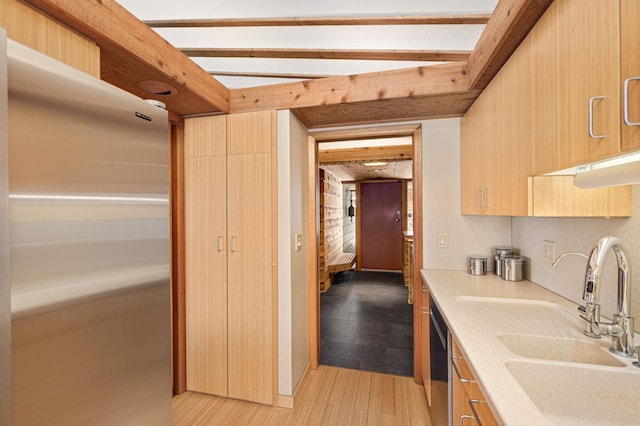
{"type": "Point", "coordinates": [519, 316]}
{"type": "Point", "coordinates": [537, 329]}
{"type": "Point", "coordinates": [609, 396]}
{"type": "Point", "coordinates": [559, 349]}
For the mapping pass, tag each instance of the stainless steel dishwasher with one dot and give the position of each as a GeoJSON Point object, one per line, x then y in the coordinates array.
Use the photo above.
{"type": "Point", "coordinates": [440, 368]}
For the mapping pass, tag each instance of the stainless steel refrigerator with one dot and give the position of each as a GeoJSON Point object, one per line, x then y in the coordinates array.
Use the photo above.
{"type": "Point", "coordinates": [88, 253]}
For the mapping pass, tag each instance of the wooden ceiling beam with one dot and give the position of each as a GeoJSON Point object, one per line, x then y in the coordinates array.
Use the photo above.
{"type": "Point", "coordinates": [372, 153]}
{"type": "Point", "coordinates": [354, 54]}
{"type": "Point", "coordinates": [139, 49]}
{"type": "Point", "coordinates": [405, 83]}
{"type": "Point", "coordinates": [509, 25]}
{"type": "Point", "coordinates": [387, 110]}
{"type": "Point", "coordinates": [453, 19]}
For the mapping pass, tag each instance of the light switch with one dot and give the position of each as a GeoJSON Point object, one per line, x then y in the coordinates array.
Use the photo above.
{"type": "Point", "coordinates": [443, 239]}
{"type": "Point", "coordinates": [298, 242]}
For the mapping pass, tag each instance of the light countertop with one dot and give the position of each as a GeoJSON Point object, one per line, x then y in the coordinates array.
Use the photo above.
{"type": "Point", "coordinates": [487, 356]}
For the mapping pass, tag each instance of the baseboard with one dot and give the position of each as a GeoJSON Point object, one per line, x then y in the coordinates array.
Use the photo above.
{"type": "Point", "coordinates": [286, 401]}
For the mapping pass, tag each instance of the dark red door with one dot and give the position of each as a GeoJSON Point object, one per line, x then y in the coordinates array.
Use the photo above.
{"type": "Point", "coordinates": [381, 226]}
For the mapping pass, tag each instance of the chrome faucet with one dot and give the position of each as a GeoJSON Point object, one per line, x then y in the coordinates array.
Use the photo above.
{"type": "Point", "coordinates": [621, 329]}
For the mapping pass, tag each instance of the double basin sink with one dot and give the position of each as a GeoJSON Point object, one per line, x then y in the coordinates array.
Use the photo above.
{"type": "Point", "coordinates": [570, 378]}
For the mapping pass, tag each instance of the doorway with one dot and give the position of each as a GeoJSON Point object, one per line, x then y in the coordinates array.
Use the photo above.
{"type": "Point", "coordinates": [414, 132]}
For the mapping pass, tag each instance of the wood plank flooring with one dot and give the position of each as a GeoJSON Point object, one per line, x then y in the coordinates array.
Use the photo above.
{"type": "Point", "coordinates": [329, 396]}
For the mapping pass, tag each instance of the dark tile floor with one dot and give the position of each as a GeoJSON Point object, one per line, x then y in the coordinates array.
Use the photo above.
{"type": "Point", "coordinates": [367, 324]}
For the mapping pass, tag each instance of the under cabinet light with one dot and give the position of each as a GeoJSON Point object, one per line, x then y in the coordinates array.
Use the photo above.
{"type": "Point", "coordinates": [621, 174]}
{"type": "Point", "coordinates": [374, 163]}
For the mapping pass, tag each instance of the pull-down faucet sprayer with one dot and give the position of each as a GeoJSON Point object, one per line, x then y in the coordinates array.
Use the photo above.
{"type": "Point", "coordinates": [622, 327]}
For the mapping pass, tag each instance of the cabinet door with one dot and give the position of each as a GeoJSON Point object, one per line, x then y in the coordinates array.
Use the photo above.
{"type": "Point", "coordinates": [585, 53]}
{"type": "Point", "coordinates": [251, 304]}
{"type": "Point", "coordinates": [496, 143]}
{"type": "Point", "coordinates": [205, 258]}
{"type": "Point", "coordinates": [630, 64]}
{"type": "Point", "coordinates": [251, 132]}
{"type": "Point", "coordinates": [509, 160]}
{"type": "Point", "coordinates": [473, 156]}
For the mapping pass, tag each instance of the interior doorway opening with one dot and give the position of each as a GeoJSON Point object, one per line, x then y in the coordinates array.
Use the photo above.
{"type": "Point", "coordinates": [399, 154]}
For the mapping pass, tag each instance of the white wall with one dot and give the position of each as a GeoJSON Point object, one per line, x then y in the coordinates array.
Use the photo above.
{"type": "Point", "coordinates": [468, 235]}
{"type": "Point", "coordinates": [293, 272]}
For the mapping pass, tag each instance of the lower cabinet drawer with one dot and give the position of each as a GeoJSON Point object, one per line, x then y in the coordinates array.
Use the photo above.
{"type": "Point", "coordinates": [469, 404]}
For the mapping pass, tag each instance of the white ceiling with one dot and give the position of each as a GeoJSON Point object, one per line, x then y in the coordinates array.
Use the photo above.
{"type": "Point", "coordinates": [405, 37]}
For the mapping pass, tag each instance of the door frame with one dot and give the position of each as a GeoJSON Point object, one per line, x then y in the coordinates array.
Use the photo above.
{"type": "Point", "coordinates": [415, 132]}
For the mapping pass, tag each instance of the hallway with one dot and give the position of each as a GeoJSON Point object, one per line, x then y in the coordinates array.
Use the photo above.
{"type": "Point", "coordinates": [367, 324]}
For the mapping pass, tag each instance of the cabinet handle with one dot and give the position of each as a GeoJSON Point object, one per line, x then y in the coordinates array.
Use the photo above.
{"type": "Point", "coordinates": [475, 413]}
{"type": "Point", "coordinates": [455, 367]}
{"type": "Point", "coordinates": [220, 245]}
{"type": "Point", "coordinates": [591, 101]}
{"type": "Point", "coordinates": [465, 417]}
{"type": "Point", "coordinates": [483, 204]}
{"type": "Point", "coordinates": [232, 244]}
{"type": "Point", "coordinates": [625, 103]}
{"type": "Point", "coordinates": [477, 190]}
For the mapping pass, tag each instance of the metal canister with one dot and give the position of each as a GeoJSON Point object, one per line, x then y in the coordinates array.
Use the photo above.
{"type": "Point", "coordinates": [499, 252]}
{"type": "Point", "coordinates": [477, 265]}
{"type": "Point", "coordinates": [512, 268]}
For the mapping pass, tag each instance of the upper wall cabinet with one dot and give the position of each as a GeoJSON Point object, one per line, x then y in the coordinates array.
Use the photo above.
{"type": "Point", "coordinates": [582, 53]}
{"type": "Point", "coordinates": [630, 69]}
{"type": "Point", "coordinates": [533, 118]}
{"type": "Point", "coordinates": [495, 148]}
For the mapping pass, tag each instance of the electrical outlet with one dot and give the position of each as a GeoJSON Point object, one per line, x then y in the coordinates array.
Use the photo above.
{"type": "Point", "coordinates": [549, 251]}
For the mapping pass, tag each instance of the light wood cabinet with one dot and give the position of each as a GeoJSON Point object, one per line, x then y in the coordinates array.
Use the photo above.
{"type": "Point", "coordinates": [425, 360]}
{"type": "Point", "coordinates": [495, 151]}
{"type": "Point", "coordinates": [469, 404]}
{"type": "Point", "coordinates": [524, 123]}
{"type": "Point", "coordinates": [584, 51]}
{"type": "Point", "coordinates": [577, 70]}
{"type": "Point", "coordinates": [630, 68]}
{"type": "Point", "coordinates": [231, 255]}
{"type": "Point", "coordinates": [30, 27]}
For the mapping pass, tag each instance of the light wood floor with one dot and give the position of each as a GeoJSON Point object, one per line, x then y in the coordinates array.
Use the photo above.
{"type": "Point", "coordinates": [329, 396]}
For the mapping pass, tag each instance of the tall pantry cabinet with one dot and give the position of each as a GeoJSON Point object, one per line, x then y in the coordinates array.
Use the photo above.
{"type": "Point", "coordinates": [231, 255]}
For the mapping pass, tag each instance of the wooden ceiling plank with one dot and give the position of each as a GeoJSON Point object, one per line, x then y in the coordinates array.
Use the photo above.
{"type": "Point", "coordinates": [353, 54]}
{"type": "Point", "coordinates": [404, 83]}
{"type": "Point", "coordinates": [452, 19]}
{"type": "Point", "coordinates": [509, 25]}
{"type": "Point", "coordinates": [372, 153]}
{"type": "Point", "coordinates": [116, 30]}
